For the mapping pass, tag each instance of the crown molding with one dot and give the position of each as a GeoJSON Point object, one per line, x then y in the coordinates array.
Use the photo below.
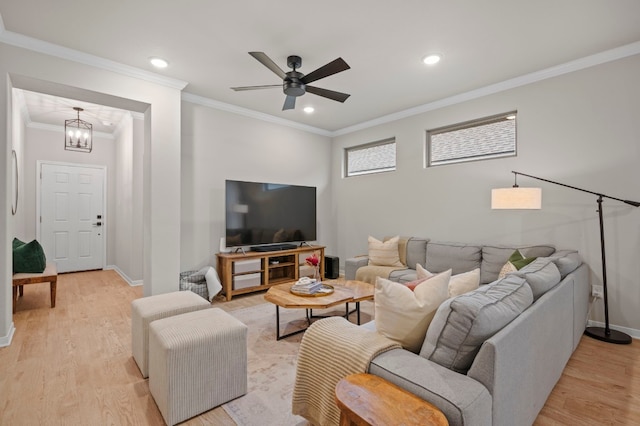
{"type": "Point", "coordinates": [51, 49]}
{"type": "Point", "coordinates": [568, 67]}
{"type": "Point", "coordinates": [210, 103]}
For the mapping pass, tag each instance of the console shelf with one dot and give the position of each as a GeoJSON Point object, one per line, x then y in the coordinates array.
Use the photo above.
{"type": "Point", "coordinates": [252, 271]}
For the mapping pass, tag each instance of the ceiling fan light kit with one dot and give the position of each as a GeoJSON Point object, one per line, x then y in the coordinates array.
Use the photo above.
{"type": "Point", "coordinates": [295, 83]}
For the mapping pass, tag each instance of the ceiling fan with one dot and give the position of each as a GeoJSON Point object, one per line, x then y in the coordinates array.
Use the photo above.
{"type": "Point", "coordinates": [295, 83]}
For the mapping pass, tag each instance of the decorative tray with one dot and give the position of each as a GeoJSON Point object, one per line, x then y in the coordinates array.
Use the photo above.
{"type": "Point", "coordinates": [325, 290]}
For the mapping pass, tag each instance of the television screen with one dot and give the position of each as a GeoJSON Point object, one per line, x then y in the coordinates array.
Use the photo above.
{"type": "Point", "coordinates": [260, 213]}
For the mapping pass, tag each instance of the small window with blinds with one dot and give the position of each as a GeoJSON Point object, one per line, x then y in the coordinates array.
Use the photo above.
{"type": "Point", "coordinates": [375, 157]}
{"type": "Point", "coordinates": [485, 138]}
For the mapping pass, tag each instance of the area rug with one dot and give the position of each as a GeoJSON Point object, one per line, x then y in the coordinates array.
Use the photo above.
{"type": "Point", "coordinates": [272, 365]}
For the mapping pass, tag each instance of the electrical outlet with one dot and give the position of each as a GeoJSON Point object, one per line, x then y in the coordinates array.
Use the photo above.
{"type": "Point", "coordinates": [597, 291]}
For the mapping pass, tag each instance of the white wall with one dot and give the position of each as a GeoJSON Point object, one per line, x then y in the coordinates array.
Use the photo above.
{"type": "Point", "coordinates": [18, 144]}
{"type": "Point", "coordinates": [123, 216]}
{"type": "Point", "coordinates": [580, 129]}
{"type": "Point", "coordinates": [128, 247]}
{"type": "Point", "coordinates": [47, 145]}
{"type": "Point", "coordinates": [218, 145]}
{"type": "Point", "coordinates": [136, 272]}
{"type": "Point", "coordinates": [161, 104]}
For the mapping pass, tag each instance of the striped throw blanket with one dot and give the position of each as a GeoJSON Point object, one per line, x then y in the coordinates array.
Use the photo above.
{"type": "Point", "coordinates": [331, 349]}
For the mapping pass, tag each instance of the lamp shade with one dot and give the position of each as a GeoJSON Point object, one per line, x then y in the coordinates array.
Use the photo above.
{"type": "Point", "coordinates": [516, 198]}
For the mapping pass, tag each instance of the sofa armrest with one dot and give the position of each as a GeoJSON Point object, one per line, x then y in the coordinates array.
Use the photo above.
{"type": "Point", "coordinates": [351, 265]}
{"type": "Point", "coordinates": [463, 400]}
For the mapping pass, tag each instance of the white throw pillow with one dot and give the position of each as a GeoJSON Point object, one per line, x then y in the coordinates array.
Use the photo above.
{"type": "Point", "coordinates": [458, 284]}
{"type": "Point", "coordinates": [213, 283]}
{"type": "Point", "coordinates": [463, 283]}
{"type": "Point", "coordinates": [403, 315]}
{"type": "Point", "coordinates": [423, 273]}
{"type": "Point", "coordinates": [384, 253]}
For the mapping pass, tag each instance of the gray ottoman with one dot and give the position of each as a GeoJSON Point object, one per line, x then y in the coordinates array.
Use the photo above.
{"type": "Point", "coordinates": [197, 361]}
{"type": "Point", "coordinates": [147, 309]}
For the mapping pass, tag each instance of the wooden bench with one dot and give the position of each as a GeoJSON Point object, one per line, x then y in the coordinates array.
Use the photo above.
{"type": "Point", "coordinates": [49, 275]}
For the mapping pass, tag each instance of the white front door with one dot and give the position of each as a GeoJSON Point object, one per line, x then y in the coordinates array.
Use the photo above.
{"type": "Point", "coordinates": [72, 220]}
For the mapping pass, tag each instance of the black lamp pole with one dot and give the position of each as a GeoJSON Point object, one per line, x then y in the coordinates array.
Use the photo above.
{"type": "Point", "coordinates": [605, 334]}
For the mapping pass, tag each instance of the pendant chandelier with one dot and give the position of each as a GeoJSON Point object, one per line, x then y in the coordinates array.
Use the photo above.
{"type": "Point", "coordinates": [78, 134]}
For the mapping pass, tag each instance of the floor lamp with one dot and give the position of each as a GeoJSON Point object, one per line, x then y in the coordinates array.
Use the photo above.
{"type": "Point", "coordinates": [531, 198]}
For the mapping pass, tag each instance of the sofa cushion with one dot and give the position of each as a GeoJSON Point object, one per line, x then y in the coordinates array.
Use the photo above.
{"type": "Point", "coordinates": [403, 315]}
{"type": "Point", "coordinates": [384, 253]}
{"type": "Point", "coordinates": [567, 261]}
{"type": "Point", "coordinates": [403, 275]}
{"type": "Point", "coordinates": [463, 323]}
{"type": "Point", "coordinates": [458, 284]}
{"type": "Point", "coordinates": [494, 258]}
{"type": "Point", "coordinates": [542, 275]}
{"type": "Point", "coordinates": [455, 256]}
{"type": "Point", "coordinates": [416, 251]}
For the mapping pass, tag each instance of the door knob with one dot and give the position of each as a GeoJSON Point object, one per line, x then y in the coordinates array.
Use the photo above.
{"type": "Point", "coordinates": [97, 224]}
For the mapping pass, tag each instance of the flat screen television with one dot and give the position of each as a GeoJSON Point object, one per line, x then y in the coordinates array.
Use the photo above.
{"type": "Point", "coordinates": [271, 215]}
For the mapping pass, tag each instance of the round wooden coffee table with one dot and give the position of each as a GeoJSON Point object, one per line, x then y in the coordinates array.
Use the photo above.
{"type": "Point", "coordinates": [365, 399]}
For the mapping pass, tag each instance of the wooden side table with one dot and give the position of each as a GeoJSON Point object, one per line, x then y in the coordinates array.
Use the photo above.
{"type": "Point", "coordinates": [365, 399]}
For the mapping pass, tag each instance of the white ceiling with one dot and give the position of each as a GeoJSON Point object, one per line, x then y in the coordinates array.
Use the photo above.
{"type": "Point", "coordinates": [206, 44]}
{"type": "Point", "coordinates": [54, 110]}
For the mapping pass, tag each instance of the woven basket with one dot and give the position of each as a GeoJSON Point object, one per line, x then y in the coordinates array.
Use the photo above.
{"type": "Point", "coordinates": [190, 281]}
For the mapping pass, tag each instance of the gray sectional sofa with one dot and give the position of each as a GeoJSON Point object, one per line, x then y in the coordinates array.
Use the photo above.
{"type": "Point", "coordinates": [493, 355]}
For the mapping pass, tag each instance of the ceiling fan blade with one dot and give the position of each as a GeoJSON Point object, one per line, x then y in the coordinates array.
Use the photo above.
{"type": "Point", "coordinates": [267, 62]}
{"type": "Point", "coordinates": [331, 68]}
{"type": "Point", "coordinates": [330, 94]}
{"type": "Point", "coordinates": [289, 103]}
{"type": "Point", "coordinates": [268, 86]}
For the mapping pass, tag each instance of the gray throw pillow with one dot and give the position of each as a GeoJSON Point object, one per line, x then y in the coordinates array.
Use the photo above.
{"type": "Point", "coordinates": [541, 274]}
{"type": "Point", "coordinates": [463, 323]}
{"type": "Point", "coordinates": [567, 261]}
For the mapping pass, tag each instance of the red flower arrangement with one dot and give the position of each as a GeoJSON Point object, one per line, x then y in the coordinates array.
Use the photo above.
{"type": "Point", "coordinates": [312, 260]}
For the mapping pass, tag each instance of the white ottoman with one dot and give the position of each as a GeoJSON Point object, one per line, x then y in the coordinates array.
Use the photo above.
{"type": "Point", "coordinates": [147, 309]}
{"type": "Point", "coordinates": [197, 361]}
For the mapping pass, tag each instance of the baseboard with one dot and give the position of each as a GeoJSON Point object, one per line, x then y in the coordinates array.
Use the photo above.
{"type": "Point", "coordinates": [132, 283]}
{"type": "Point", "coordinates": [630, 331]}
{"type": "Point", "coordinates": [6, 340]}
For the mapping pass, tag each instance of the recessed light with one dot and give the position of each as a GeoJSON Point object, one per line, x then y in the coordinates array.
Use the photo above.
{"type": "Point", "coordinates": [432, 59]}
{"type": "Point", "coordinates": [158, 62]}
{"type": "Point", "coordinates": [309, 109]}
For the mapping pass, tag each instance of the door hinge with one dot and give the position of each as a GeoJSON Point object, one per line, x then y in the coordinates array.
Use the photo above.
{"type": "Point", "coordinates": [40, 219]}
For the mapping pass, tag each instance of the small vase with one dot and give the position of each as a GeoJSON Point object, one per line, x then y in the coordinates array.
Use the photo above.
{"type": "Point", "coordinates": [316, 274]}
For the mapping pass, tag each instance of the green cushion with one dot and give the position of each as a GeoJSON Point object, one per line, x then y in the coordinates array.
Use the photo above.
{"type": "Point", "coordinates": [515, 256]}
{"type": "Point", "coordinates": [17, 243]}
{"type": "Point", "coordinates": [29, 258]}
{"type": "Point", "coordinates": [519, 264]}
{"type": "Point", "coordinates": [519, 261]}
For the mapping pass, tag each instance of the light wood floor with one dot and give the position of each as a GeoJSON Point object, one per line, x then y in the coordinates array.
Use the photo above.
{"type": "Point", "coordinates": [72, 365]}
